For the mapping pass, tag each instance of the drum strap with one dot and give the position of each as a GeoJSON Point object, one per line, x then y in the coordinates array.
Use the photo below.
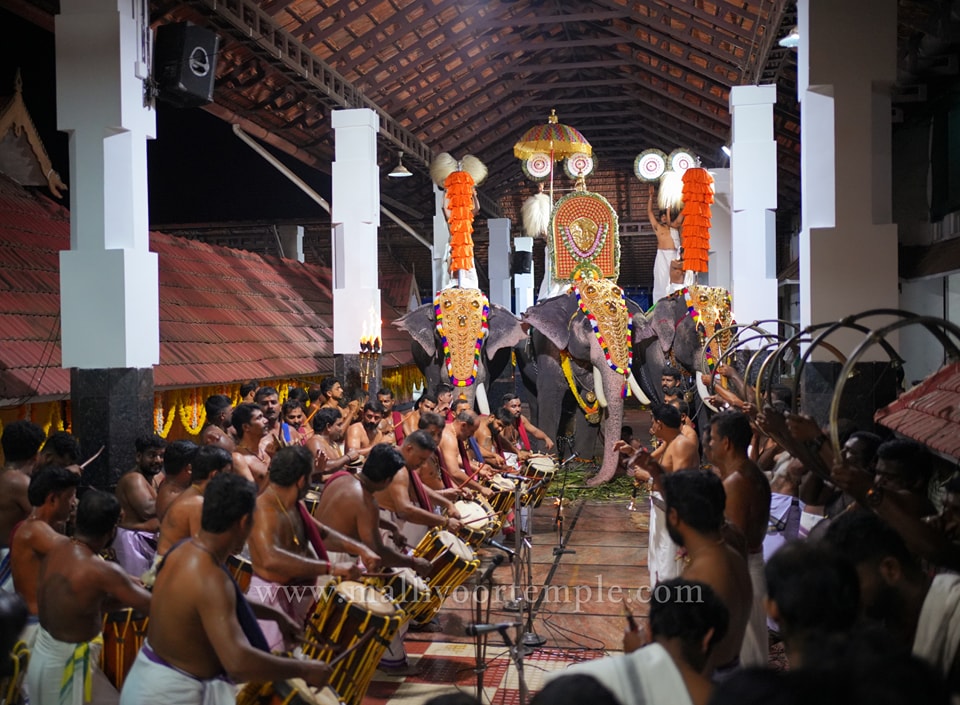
{"type": "Point", "coordinates": [475, 447]}
{"type": "Point", "coordinates": [444, 475]}
{"type": "Point", "coordinates": [422, 497]}
{"type": "Point", "coordinates": [397, 419]}
{"type": "Point", "coordinates": [524, 438]}
{"type": "Point", "coordinates": [313, 533]}
{"type": "Point", "coordinates": [464, 458]}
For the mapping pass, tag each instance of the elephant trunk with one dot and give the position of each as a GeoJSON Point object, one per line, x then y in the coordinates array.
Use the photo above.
{"type": "Point", "coordinates": [613, 384]}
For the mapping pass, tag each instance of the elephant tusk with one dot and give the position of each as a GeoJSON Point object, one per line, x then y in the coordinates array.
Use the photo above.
{"type": "Point", "coordinates": [598, 387]}
{"type": "Point", "coordinates": [482, 403]}
{"type": "Point", "coordinates": [637, 392]}
{"type": "Point", "coordinates": [704, 392]}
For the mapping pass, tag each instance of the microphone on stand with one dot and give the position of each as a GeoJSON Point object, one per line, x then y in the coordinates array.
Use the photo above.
{"type": "Point", "coordinates": [478, 629]}
{"type": "Point", "coordinates": [512, 476]}
{"type": "Point", "coordinates": [500, 547]}
{"type": "Point", "coordinates": [487, 574]}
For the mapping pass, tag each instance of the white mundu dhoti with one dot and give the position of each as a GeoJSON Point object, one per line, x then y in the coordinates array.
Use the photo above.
{"type": "Point", "coordinates": [755, 650]}
{"type": "Point", "coordinates": [647, 676]}
{"type": "Point", "coordinates": [938, 630]}
{"type": "Point", "coordinates": [64, 674]}
{"type": "Point", "coordinates": [152, 681]}
{"type": "Point", "coordinates": [662, 561]}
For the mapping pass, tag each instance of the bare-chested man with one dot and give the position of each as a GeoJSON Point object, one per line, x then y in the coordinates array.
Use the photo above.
{"type": "Point", "coordinates": [695, 501]}
{"type": "Point", "coordinates": [202, 631]}
{"type": "Point", "coordinates": [53, 494]}
{"type": "Point", "coordinates": [182, 519]}
{"type": "Point", "coordinates": [177, 473]}
{"type": "Point", "coordinates": [325, 445]}
{"type": "Point", "coordinates": [409, 502]}
{"type": "Point", "coordinates": [365, 434]}
{"type": "Point", "coordinates": [497, 451]}
{"type": "Point", "coordinates": [392, 422]}
{"type": "Point", "coordinates": [296, 430]}
{"type": "Point", "coordinates": [21, 443]}
{"type": "Point", "coordinates": [748, 509]}
{"type": "Point", "coordinates": [457, 463]}
{"type": "Point", "coordinates": [288, 547]}
{"type": "Point", "coordinates": [523, 430]}
{"type": "Point", "coordinates": [219, 430]}
{"type": "Point", "coordinates": [426, 404]}
{"type": "Point", "coordinates": [268, 399]}
{"type": "Point", "coordinates": [61, 448]}
{"type": "Point", "coordinates": [74, 587]}
{"type": "Point", "coordinates": [249, 459]}
{"type": "Point", "coordinates": [135, 544]}
{"type": "Point", "coordinates": [349, 505]}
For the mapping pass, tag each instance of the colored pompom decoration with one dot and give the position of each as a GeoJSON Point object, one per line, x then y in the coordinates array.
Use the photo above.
{"type": "Point", "coordinates": [697, 197]}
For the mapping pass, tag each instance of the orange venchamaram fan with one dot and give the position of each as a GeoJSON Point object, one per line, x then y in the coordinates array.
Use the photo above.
{"type": "Point", "coordinates": [697, 197]}
{"type": "Point", "coordinates": [459, 180]}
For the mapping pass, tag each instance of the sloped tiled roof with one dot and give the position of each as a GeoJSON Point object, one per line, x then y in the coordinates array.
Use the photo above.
{"type": "Point", "coordinates": [225, 315]}
{"type": "Point", "coordinates": [930, 412]}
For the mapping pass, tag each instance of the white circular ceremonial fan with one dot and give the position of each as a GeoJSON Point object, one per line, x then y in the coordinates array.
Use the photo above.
{"type": "Point", "coordinates": [579, 165]}
{"type": "Point", "coordinates": [650, 165]}
{"type": "Point", "coordinates": [681, 160]}
{"type": "Point", "coordinates": [537, 167]}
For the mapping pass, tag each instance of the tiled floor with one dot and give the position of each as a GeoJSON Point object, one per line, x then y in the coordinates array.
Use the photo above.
{"type": "Point", "coordinates": [580, 610]}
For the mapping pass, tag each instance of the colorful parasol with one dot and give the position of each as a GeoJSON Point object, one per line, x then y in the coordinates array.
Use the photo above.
{"type": "Point", "coordinates": [559, 141]}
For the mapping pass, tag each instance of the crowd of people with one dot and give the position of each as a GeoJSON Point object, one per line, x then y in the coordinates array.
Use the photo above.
{"type": "Point", "coordinates": [862, 595]}
{"type": "Point", "coordinates": [183, 525]}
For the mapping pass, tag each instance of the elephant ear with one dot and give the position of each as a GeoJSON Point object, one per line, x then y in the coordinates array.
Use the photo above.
{"type": "Point", "coordinates": [504, 330]}
{"type": "Point", "coordinates": [421, 326]}
{"type": "Point", "coordinates": [554, 317]}
{"type": "Point", "coordinates": [643, 331]}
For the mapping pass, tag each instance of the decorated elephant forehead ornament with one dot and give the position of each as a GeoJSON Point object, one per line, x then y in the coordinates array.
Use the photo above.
{"type": "Point", "coordinates": [603, 303]}
{"type": "Point", "coordinates": [584, 241]}
{"type": "Point", "coordinates": [462, 324]}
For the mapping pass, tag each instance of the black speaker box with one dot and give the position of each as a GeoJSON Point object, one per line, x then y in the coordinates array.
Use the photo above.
{"type": "Point", "coordinates": [185, 63]}
{"type": "Point", "coordinates": [521, 262]}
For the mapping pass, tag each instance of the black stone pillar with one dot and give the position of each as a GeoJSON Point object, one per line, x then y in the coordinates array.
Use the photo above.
{"type": "Point", "coordinates": [347, 369]}
{"type": "Point", "coordinates": [111, 408]}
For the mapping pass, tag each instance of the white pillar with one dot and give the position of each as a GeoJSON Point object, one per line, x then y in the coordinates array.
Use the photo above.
{"type": "Point", "coordinates": [498, 261]}
{"type": "Point", "coordinates": [523, 283]}
{"type": "Point", "coordinates": [356, 217]}
{"type": "Point", "coordinates": [441, 242]}
{"type": "Point", "coordinates": [848, 244]}
{"type": "Point", "coordinates": [753, 181]}
{"type": "Point", "coordinates": [720, 235]}
{"type": "Point", "coordinates": [109, 285]}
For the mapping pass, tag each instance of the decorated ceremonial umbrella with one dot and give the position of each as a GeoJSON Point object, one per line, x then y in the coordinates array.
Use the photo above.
{"type": "Point", "coordinates": [553, 141]}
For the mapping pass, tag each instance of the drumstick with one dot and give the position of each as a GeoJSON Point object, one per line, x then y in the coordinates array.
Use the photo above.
{"type": "Point", "coordinates": [631, 622]}
{"type": "Point", "coordinates": [377, 575]}
{"type": "Point", "coordinates": [464, 483]}
{"type": "Point", "coordinates": [363, 640]}
{"type": "Point", "coordinates": [93, 457]}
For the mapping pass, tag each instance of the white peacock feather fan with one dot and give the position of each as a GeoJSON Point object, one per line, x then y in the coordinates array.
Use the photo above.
{"type": "Point", "coordinates": [535, 214]}
{"type": "Point", "coordinates": [445, 164]}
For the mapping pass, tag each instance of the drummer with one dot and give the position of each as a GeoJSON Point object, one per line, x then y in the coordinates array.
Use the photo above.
{"type": "Point", "coordinates": [497, 451]}
{"type": "Point", "coordinates": [73, 587]}
{"type": "Point", "coordinates": [365, 433]}
{"type": "Point", "coordinates": [455, 458]}
{"type": "Point", "coordinates": [202, 631]}
{"type": "Point", "coordinates": [288, 547]}
{"type": "Point", "coordinates": [522, 430]}
{"type": "Point", "coordinates": [408, 502]}
{"type": "Point", "coordinates": [392, 422]}
{"type": "Point", "coordinates": [349, 505]}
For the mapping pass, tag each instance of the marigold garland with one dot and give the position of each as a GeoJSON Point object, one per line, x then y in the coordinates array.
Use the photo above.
{"type": "Point", "coordinates": [625, 371]}
{"type": "Point", "coordinates": [193, 414]}
{"type": "Point", "coordinates": [54, 422]}
{"type": "Point", "coordinates": [568, 374]}
{"type": "Point", "coordinates": [697, 197]}
{"type": "Point", "coordinates": [162, 422]}
{"type": "Point", "coordinates": [484, 327]}
{"type": "Point", "coordinates": [460, 187]}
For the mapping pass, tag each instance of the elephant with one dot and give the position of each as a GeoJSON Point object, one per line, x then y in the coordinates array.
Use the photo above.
{"type": "Point", "coordinates": [450, 335]}
{"type": "Point", "coordinates": [590, 324]}
{"type": "Point", "coordinates": [673, 335]}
